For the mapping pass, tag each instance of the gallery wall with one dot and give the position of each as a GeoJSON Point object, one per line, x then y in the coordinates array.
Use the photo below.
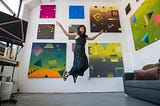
{"type": "Point", "coordinates": [146, 55]}
{"type": "Point", "coordinates": [132, 59]}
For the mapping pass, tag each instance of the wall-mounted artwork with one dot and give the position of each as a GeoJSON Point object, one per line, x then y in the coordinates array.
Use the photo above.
{"type": "Point", "coordinates": [73, 46]}
{"type": "Point", "coordinates": [105, 60]}
{"type": "Point", "coordinates": [145, 24]}
{"type": "Point", "coordinates": [48, 60]}
{"type": "Point", "coordinates": [73, 29]}
{"type": "Point", "coordinates": [76, 12]}
{"type": "Point", "coordinates": [128, 8]}
{"type": "Point", "coordinates": [45, 31]}
{"type": "Point", "coordinates": [104, 17]}
{"type": "Point", "coordinates": [48, 11]}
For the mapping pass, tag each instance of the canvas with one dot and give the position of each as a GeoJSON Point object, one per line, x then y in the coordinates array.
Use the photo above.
{"type": "Point", "coordinates": [76, 12]}
{"type": "Point", "coordinates": [48, 11]}
{"type": "Point", "coordinates": [145, 24]}
{"type": "Point", "coordinates": [73, 46]}
{"type": "Point", "coordinates": [105, 60]}
{"type": "Point", "coordinates": [73, 29]}
{"type": "Point", "coordinates": [45, 31]}
{"type": "Point", "coordinates": [128, 8]}
{"type": "Point", "coordinates": [48, 60]}
{"type": "Point", "coordinates": [104, 17]}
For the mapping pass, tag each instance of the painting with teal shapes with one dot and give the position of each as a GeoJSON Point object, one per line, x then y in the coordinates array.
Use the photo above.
{"type": "Point", "coordinates": [48, 60]}
{"type": "Point", "coordinates": [145, 24]}
{"type": "Point", "coordinates": [105, 60]}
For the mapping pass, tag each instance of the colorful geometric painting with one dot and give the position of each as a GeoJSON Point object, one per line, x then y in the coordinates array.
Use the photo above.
{"type": "Point", "coordinates": [105, 60]}
{"type": "Point", "coordinates": [76, 12]}
{"type": "Point", "coordinates": [104, 17]}
{"type": "Point", "coordinates": [48, 11]}
{"type": "Point", "coordinates": [73, 46]}
{"type": "Point", "coordinates": [73, 29]}
{"type": "Point", "coordinates": [45, 31]}
{"type": "Point", "coordinates": [128, 8]}
{"type": "Point", "coordinates": [145, 24]}
{"type": "Point", "coordinates": [48, 60]}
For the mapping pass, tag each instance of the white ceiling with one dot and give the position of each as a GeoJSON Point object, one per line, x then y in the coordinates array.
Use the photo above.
{"type": "Point", "coordinates": [34, 3]}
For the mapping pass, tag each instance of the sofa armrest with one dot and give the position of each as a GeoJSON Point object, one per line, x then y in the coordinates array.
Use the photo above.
{"type": "Point", "coordinates": [128, 76]}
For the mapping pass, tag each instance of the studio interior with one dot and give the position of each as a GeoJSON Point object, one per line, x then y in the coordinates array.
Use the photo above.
{"type": "Point", "coordinates": [79, 53]}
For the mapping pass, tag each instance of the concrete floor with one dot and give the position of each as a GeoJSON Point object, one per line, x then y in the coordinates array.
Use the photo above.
{"type": "Point", "coordinates": [77, 99]}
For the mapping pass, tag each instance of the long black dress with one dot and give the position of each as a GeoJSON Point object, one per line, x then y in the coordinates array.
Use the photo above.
{"type": "Point", "coordinates": [80, 63]}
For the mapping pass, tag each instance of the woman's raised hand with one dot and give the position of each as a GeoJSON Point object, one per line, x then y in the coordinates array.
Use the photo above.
{"type": "Point", "coordinates": [101, 31]}
{"type": "Point", "coordinates": [57, 23]}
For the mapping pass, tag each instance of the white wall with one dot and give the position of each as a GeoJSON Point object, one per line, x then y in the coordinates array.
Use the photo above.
{"type": "Point", "coordinates": [146, 55]}
{"type": "Point", "coordinates": [130, 56]}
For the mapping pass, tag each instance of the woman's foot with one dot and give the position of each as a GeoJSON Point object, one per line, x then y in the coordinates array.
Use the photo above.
{"type": "Point", "coordinates": [75, 78]}
{"type": "Point", "coordinates": [65, 76]}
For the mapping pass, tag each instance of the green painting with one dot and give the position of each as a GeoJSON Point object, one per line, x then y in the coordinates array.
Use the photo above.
{"type": "Point", "coordinates": [145, 23]}
{"type": "Point", "coordinates": [48, 60]}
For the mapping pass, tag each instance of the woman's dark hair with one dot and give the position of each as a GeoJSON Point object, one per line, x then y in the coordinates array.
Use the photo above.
{"type": "Point", "coordinates": [79, 32]}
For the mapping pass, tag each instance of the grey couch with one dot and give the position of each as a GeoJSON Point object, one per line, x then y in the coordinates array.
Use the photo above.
{"type": "Point", "coordinates": [148, 90]}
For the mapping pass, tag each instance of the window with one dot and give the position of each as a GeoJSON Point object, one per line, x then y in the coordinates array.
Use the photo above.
{"type": "Point", "coordinates": [13, 5]}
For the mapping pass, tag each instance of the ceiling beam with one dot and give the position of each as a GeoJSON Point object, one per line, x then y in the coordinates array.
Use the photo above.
{"type": "Point", "coordinates": [6, 6]}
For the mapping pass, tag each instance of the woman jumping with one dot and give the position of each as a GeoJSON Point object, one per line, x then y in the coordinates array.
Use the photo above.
{"type": "Point", "coordinates": [80, 63]}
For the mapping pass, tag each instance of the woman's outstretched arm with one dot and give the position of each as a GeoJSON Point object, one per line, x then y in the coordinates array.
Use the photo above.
{"type": "Point", "coordinates": [94, 37]}
{"type": "Point", "coordinates": [65, 32]}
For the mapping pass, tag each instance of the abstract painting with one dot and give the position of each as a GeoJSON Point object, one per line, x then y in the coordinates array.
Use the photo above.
{"type": "Point", "coordinates": [48, 11]}
{"type": "Point", "coordinates": [145, 24]}
{"type": "Point", "coordinates": [48, 60]}
{"type": "Point", "coordinates": [45, 31]}
{"type": "Point", "coordinates": [73, 46]}
{"type": "Point", "coordinates": [76, 12]}
{"type": "Point", "coordinates": [104, 17]}
{"type": "Point", "coordinates": [105, 60]}
{"type": "Point", "coordinates": [73, 29]}
{"type": "Point", "coordinates": [128, 8]}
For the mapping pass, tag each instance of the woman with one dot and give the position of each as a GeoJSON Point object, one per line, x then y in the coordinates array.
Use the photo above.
{"type": "Point", "coordinates": [80, 63]}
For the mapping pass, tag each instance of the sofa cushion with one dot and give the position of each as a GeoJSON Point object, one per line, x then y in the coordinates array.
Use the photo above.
{"type": "Point", "coordinates": [149, 74]}
{"type": "Point", "coordinates": [148, 66]}
{"type": "Point", "coordinates": [147, 84]}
